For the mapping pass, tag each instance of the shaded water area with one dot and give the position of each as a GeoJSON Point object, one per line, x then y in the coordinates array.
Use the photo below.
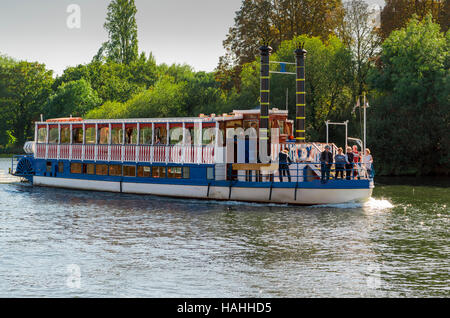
{"type": "Point", "coordinates": [65, 243]}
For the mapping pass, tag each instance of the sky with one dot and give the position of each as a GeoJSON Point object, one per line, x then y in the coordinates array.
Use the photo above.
{"type": "Point", "coordinates": [175, 31]}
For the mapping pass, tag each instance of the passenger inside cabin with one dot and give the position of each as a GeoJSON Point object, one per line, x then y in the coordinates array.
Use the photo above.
{"type": "Point", "coordinates": [130, 136]}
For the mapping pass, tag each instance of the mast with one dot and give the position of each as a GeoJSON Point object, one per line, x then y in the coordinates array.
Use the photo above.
{"type": "Point", "coordinates": [300, 94]}
{"type": "Point", "coordinates": [265, 51]}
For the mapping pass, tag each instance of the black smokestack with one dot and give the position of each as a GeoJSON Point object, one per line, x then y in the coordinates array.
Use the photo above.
{"type": "Point", "coordinates": [300, 54]}
{"type": "Point", "coordinates": [265, 51]}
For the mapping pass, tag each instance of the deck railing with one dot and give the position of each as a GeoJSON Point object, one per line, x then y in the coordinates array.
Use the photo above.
{"type": "Point", "coordinates": [300, 172]}
{"type": "Point", "coordinates": [128, 153]}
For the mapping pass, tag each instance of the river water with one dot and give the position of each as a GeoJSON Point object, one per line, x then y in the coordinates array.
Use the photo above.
{"type": "Point", "coordinates": [65, 243]}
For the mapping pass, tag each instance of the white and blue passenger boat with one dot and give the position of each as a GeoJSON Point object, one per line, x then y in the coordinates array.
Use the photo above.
{"type": "Point", "coordinates": [232, 156]}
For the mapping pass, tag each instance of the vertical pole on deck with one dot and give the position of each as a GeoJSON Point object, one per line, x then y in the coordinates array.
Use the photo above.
{"type": "Point", "coordinates": [123, 143]}
{"type": "Point", "coordinates": [265, 51]}
{"type": "Point", "coordinates": [300, 95]}
{"type": "Point", "coordinates": [95, 144]}
{"type": "Point", "coordinates": [35, 132]}
{"type": "Point", "coordinates": [138, 139]}
{"type": "Point", "coordinates": [167, 141]}
{"type": "Point", "coordinates": [346, 135]}
{"type": "Point", "coordinates": [183, 143]}
{"type": "Point", "coordinates": [71, 142]}
{"type": "Point", "coordinates": [46, 141]}
{"type": "Point", "coordinates": [152, 148]}
{"type": "Point", "coordinates": [364, 143]}
{"type": "Point", "coordinates": [59, 141]}
{"type": "Point", "coordinates": [109, 141]}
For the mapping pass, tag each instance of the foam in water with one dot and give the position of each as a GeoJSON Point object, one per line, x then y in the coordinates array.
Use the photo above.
{"type": "Point", "coordinates": [370, 204]}
{"type": "Point", "coordinates": [378, 204]}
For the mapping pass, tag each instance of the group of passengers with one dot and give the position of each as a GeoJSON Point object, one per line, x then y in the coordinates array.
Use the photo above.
{"type": "Point", "coordinates": [347, 162]}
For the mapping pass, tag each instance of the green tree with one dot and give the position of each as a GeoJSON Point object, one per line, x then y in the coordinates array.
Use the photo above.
{"type": "Point", "coordinates": [74, 98]}
{"type": "Point", "coordinates": [166, 99]}
{"type": "Point", "coordinates": [409, 121]}
{"type": "Point", "coordinates": [396, 13]}
{"type": "Point", "coordinates": [359, 32]}
{"type": "Point", "coordinates": [114, 81]}
{"type": "Point", "coordinates": [24, 88]}
{"type": "Point", "coordinates": [277, 21]}
{"type": "Point", "coordinates": [122, 46]}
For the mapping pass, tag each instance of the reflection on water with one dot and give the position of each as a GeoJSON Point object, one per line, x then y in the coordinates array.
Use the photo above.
{"type": "Point", "coordinates": [131, 245]}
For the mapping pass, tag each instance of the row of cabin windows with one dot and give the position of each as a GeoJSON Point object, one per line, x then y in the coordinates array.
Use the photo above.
{"type": "Point", "coordinates": [117, 135]}
{"type": "Point", "coordinates": [130, 170]}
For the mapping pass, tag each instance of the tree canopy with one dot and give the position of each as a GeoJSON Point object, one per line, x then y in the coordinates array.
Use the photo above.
{"type": "Point", "coordinates": [122, 46]}
{"type": "Point", "coordinates": [410, 118]}
{"type": "Point", "coordinates": [396, 13]}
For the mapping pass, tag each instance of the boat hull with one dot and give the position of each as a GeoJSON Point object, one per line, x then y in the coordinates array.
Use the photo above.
{"type": "Point", "coordinates": [239, 192]}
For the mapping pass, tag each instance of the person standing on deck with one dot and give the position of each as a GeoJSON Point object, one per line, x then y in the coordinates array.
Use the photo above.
{"type": "Point", "coordinates": [326, 160]}
{"type": "Point", "coordinates": [340, 160]}
{"type": "Point", "coordinates": [349, 164]}
{"type": "Point", "coordinates": [283, 164]}
{"type": "Point", "coordinates": [367, 161]}
{"type": "Point", "coordinates": [355, 161]}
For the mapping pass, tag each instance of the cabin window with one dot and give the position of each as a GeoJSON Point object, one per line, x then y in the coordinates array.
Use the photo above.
{"type": "Point", "coordinates": [144, 171]}
{"type": "Point", "coordinates": [233, 124]}
{"type": "Point", "coordinates": [158, 172]}
{"type": "Point", "coordinates": [42, 135]}
{"type": "Point", "coordinates": [88, 168]}
{"type": "Point", "coordinates": [160, 135]}
{"type": "Point", "coordinates": [101, 170]}
{"type": "Point", "coordinates": [129, 171]}
{"type": "Point", "coordinates": [77, 135]}
{"type": "Point", "coordinates": [186, 173]}
{"type": "Point", "coordinates": [117, 136]}
{"type": "Point", "coordinates": [174, 172]}
{"type": "Point", "coordinates": [131, 136]}
{"type": "Point", "coordinates": [250, 124]}
{"type": "Point", "coordinates": [190, 136]}
{"type": "Point", "coordinates": [76, 167]}
{"type": "Point", "coordinates": [176, 135]}
{"type": "Point", "coordinates": [288, 129]}
{"type": "Point", "coordinates": [209, 135]}
{"type": "Point", "coordinates": [90, 135]}
{"type": "Point", "coordinates": [65, 134]}
{"type": "Point", "coordinates": [61, 167]}
{"type": "Point", "coordinates": [53, 136]}
{"type": "Point", "coordinates": [281, 126]}
{"type": "Point", "coordinates": [115, 170]}
{"type": "Point", "coordinates": [145, 136]}
{"type": "Point", "coordinates": [103, 135]}
{"type": "Point", "coordinates": [210, 173]}
{"type": "Point", "coordinates": [49, 166]}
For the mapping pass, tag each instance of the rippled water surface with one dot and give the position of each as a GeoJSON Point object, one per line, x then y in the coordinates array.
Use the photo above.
{"type": "Point", "coordinates": [65, 243]}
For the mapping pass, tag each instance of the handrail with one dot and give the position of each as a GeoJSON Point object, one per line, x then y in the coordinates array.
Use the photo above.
{"type": "Point", "coordinates": [199, 154]}
{"type": "Point", "coordinates": [298, 172]}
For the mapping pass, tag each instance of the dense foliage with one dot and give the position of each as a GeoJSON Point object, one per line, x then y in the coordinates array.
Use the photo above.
{"type": "Point", "coordinates": [406, 79]}
{"type": "Point", "coordinates": [410, 118]}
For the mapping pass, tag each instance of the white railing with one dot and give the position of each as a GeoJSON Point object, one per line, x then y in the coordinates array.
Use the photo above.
{"type": "Point", "coordinates": [128, 153]}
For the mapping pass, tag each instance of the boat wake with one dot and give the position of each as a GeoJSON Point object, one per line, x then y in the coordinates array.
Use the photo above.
{"type": "Point", "coordinates": [7, 178]}
{"type": "Point", "coordinates": [370, 204]}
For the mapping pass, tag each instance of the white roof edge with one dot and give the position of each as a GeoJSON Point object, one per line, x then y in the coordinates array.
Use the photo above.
{"type": "Point", "coordinates": [146, 120]}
